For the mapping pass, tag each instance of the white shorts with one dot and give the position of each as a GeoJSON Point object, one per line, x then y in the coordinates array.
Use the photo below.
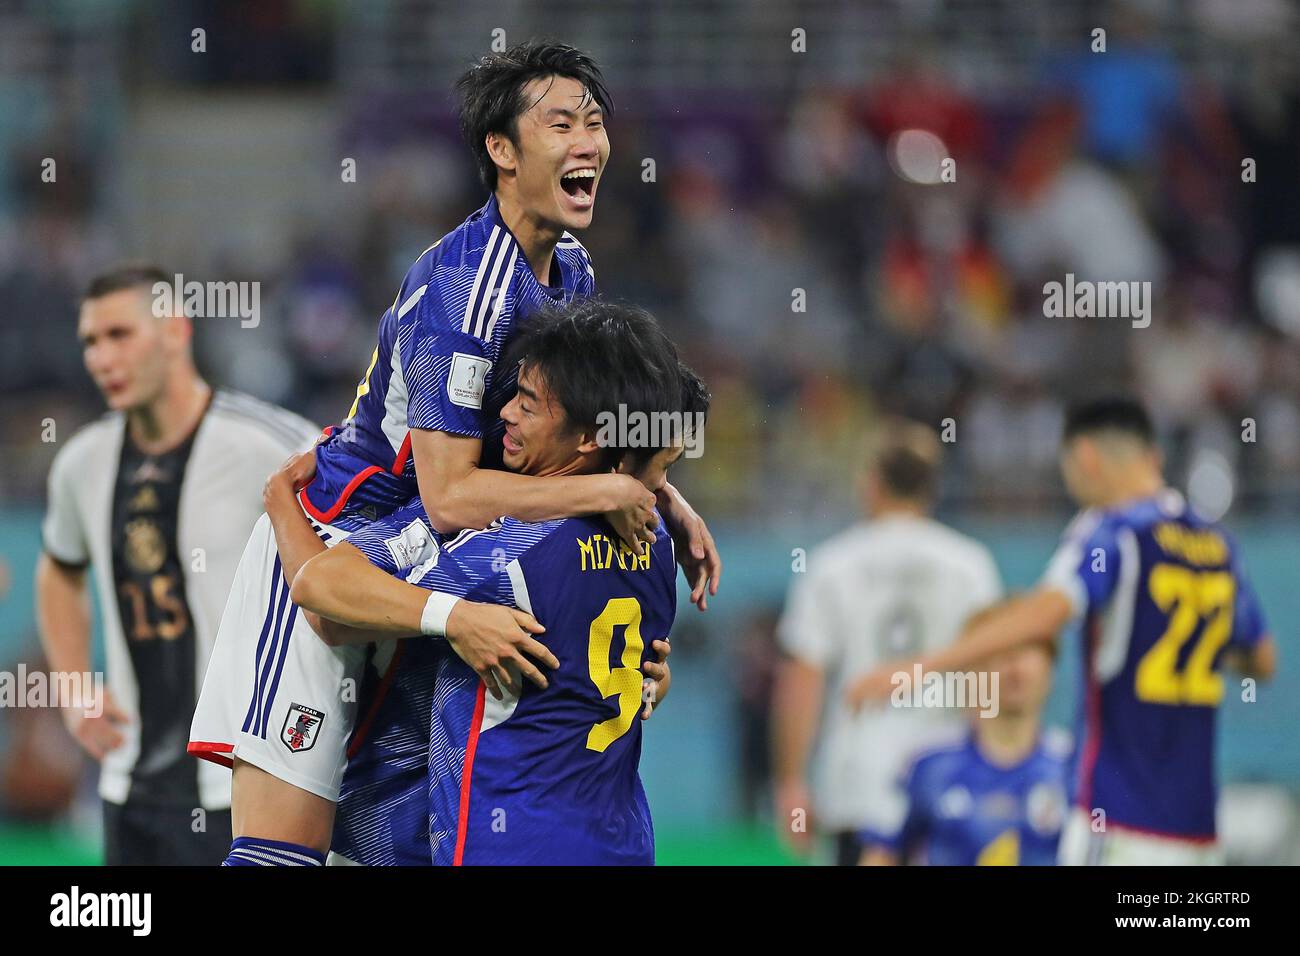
{"type": "Point", "coordinates": [275, 695]}
{"type": "Point", "coordinates": [1120, 846]}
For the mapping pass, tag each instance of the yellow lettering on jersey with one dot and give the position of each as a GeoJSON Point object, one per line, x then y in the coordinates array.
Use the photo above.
{"type": "Point", "coordinates": [599, 553]}
{"type": "Point", "coordinates": [1204, 548]}
{"type": "Point", "coordinates": [1003, 851]}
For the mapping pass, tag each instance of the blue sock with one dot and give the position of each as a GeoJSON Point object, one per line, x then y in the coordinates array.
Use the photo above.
{"type": "Point", "coordinates": [251, 851]}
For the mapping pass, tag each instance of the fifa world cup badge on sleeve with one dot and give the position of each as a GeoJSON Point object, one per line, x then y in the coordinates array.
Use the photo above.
{"type": "Point", "coordinates": [412, 545]}
{"type": "Point", "coordinates": [467, 380]}
{"type": "Point", "coordinates": [301, 725]}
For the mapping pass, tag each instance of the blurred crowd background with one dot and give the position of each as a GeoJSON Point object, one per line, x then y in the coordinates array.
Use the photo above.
{"type": "Point", "coordinates": [782, 213]}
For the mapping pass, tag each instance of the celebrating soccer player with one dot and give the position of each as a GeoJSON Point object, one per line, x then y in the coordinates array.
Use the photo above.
{"type": "Point", "coordinates": [559, 760]}
{"type": "Point", "coordinates": [277, 701]}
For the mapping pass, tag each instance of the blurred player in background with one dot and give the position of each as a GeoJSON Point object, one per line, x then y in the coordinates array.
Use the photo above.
{"type": "Point", "coordinates": [898, 580]}
{"type": "Point", "coordinates": [1165, 605]}
{"type": "Point", "coordinates": [997, 796]}
{"type": "Point", "coordinates": [159, 496]}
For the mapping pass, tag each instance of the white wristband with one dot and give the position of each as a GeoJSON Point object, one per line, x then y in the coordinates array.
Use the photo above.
{"type": "Point", "coordinates": [433, 620]}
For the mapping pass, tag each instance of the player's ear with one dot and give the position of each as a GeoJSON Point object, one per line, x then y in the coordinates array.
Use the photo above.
{"type": "Point", "coordinates": [179, 331]}
{"type": "Point", "coordinates": [501, 150]}
{"type": "Point", "coordinates": [1087, 454]}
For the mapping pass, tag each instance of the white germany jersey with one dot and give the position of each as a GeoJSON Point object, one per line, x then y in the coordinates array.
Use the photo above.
{"type": "Point", "coordinates": [881, 590]}
{"type": "Point", "coordinates": [238, 443]}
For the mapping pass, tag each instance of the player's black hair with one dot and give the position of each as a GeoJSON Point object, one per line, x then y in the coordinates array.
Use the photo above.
{"type": "Point", "coordinates": [596, 355]}
{"type": "Point", "coordinates": [695, 395]}
{"type": "Point", "coordinates": [126, 275]}
{"type": "Point", "coordinates": [905, 456]}
{"type": "Point", "coordinates": [492, 92]}
{"type": "Point", "coordinates": [1113, 414]}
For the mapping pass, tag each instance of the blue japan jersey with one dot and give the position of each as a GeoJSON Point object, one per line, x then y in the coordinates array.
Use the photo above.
{"type": "Point", "coordinates": [1162, 595]}
{"type": "Point", "coordinates": [415, 688]}
{"type": "Point", "coordinates": [382, 817]}
{"type": "Point", "coordinates": [551, 776]}
{"type": "Point", "coordinates": [964, 811]}
{"type": "Point", "coordinates": [436, 365]}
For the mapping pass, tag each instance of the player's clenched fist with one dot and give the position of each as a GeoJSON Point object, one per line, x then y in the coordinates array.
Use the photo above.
{"type": "Point", "coordinates": [493, 641]}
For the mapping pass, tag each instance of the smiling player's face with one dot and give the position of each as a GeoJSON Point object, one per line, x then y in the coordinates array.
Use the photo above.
{"type": "Point", "coordinates": [539, 440]}
{"type": "Point", "coordinates": [561, 152]}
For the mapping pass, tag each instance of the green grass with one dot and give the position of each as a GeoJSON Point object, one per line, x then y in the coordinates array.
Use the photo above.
{"type": "Point", "coordinates": [734, 846]}
{"type": "Point", "coordinates": [39, 846]}
{"type": "Point", "coordinates": [731, 846]}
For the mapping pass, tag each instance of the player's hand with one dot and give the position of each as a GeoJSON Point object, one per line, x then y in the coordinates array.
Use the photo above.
{"type": "Point", "coordinates": [633, 515]}
{"type": "Point", "coordinates": [97, 735]}
{"type": "Point", "coordinates": [289, 478]}
{"type": "Point", "coordinates": [301, 469]}
{"type": "Point", "coordinates": [696, 552]}
{"type": "Point", "coordinates": [872, 688]}
{"type": "Point", "coordinates": [658, 678]}
{"type": "Point", "coordinates": [492, 639]}
{"type": "Point", "coordinates": [794, 816]}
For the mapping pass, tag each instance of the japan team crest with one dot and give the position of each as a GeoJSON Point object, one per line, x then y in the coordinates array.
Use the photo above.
{"type": "Point", "coordinates": [301, 725]}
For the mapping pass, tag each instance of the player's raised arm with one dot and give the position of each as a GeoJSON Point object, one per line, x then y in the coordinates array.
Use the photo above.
{"type": "Point", "coordinates": [459, 494]}
{"type": "Point", "coordinates": [1259, 661]}
{"type": "Point", "coordinates": [463, 495]}
{"type": "Point", "coordinates": [295, 539]}
{"type": "Point", "coordinates": [365, 603]}
{"type": "Point", "coordinates": [1036, 616]}
{"type": "Point", "coordinates": [696, 551]}
{"type": "Point", "coordinates": [1251, 650]}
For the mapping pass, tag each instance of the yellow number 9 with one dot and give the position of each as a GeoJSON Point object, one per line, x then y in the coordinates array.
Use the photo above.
{"type": "Point", "coordinates": [624, 681]}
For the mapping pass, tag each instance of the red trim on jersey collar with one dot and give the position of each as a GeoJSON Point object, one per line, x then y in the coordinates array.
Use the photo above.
{"type": "Point", "coordinates": [467, 773]}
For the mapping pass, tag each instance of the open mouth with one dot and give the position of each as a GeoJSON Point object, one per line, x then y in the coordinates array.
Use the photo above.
{"type": "Point", "coordinates": [580, 186]}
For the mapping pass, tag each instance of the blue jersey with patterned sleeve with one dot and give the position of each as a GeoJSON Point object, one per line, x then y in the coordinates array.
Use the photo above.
{"type": "Point", "coordinates": [551, 776]}
{"type": "Point", "coordinates": [1162, 596]}
{"type": "Point", "coordinates": [963, 810]}
{"type": "Point", "coordinates": [436, 365]}
{"type": "Point", "coordinates": [382, 816]}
